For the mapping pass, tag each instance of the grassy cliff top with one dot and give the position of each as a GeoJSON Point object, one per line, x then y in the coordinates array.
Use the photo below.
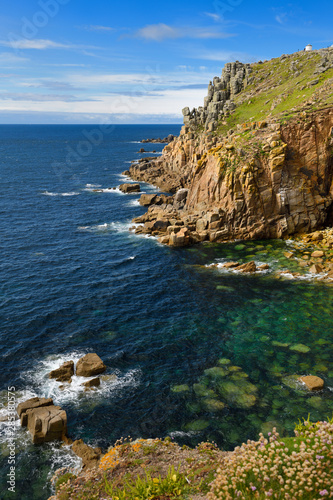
{"type": "Point", "coordinates": [284, 86]}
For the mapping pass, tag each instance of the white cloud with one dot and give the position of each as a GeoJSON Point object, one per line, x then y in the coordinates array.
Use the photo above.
{"type": "Point", "coordinates": [98, 28]}
{"type": "Point", "coordinates": [223, 56]}
{"type": "Point", "coordinates": [41, 44]}
{"type": "Point", "coordinates": [13, 96]}
{"type": "Point", "coordinates": [10, 58]}
{"type": "Point", "coordinates": [214, 16]}
{"type": "Point", "coordinates": [38, 44]}
{"type": "Point", "coordinates": [159, 32]}
{"type": "Point", "coordinates": [171, 102]}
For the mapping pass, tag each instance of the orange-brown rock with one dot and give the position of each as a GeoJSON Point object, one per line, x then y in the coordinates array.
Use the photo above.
{"type": "Point", "coordinates": [90, 365]}
{"type": "Point", "coordinates": [64, 372]}
{"type": "Point", "coordinates": [249, 267]}
{"type": "Point", "coordinates": [90, 456]}
{"type": "Point", "coordinates": [256, 194]}
{"type": "Point", "coordinates": [47, 423]}
{"type": "Point", "coordinates": [95, 382]}
{"type": "Point", "coordinates": [29, 404]}
{"type": "Point", "coordinates": [312, 383]}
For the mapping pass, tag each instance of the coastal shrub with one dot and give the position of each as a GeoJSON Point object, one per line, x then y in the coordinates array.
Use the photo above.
{"type": "Point", "coordinates": [288, 468]}
{"type": "Point", "coordinates": [174, 485]}
{"type": "Point", "coordinates": [63, 479]}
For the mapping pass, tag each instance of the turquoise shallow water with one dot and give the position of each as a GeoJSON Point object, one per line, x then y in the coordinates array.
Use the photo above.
{"type": "Point", "coordinates": [199, 353]}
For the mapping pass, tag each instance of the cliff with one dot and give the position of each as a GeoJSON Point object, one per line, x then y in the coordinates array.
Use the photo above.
{"type": "Point", "coordinates": [256, 161]}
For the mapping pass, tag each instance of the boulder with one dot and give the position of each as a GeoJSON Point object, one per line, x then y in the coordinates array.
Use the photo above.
{"type": "Point", "coordinates": [129, 188]}
{"type": "Point", "coordinates": [316, 269]}
{"type": "Point", "coordinates": [32, 403]}
{"type": "Point", "coordinates": [90, 365]}
{"type": "Point", "coordinates": [147, 199]}
{"type": "Point", "coordinates": [180, 198]}
{"type": "Point", "coordinates": [64, 372]}
{"type": "Point", "coordinates": [317, 254]}
{"type": "Point", "coordinates": [230, 265]}
{"type": "Point", "coordinates": [312, 383]}
{"type": "Point", "coordinates": [47, 423]}
{"type": "Point", "coordinates": [249, 267]}
{"type": "Point", "coordinates": [94, 382]}
{"type": "Point", "coordinates": [90, 456]}
{"type": "Point", "coordinates": [263, 267]}
{"type": "Point", "coordinates": [180, 239]}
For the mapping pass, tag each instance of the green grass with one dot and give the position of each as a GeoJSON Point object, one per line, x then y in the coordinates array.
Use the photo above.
{"type": "Point", "coordinates": [274, 81]}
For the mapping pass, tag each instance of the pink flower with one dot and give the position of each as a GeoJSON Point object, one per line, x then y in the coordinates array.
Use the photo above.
{"type": "Point", "coordinates": [253, 488]}
{"type": "Point", "coordinates": [323, 492]}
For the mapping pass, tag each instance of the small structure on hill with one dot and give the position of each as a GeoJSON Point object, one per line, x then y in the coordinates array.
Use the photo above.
{"type": "Point", "coordinates": [308, 48]}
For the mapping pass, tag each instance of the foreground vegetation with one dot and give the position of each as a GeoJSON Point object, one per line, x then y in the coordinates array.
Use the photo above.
{"type": "Point", "coordinates": [272, 467]}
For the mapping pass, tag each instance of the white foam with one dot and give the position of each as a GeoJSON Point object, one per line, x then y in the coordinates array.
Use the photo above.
{"type": "Point", "coordinates": [221, 262]}
{"type": "Point", "coordinates": [133, 203]}
{"type": "Point", "coordinates": [75, 393]}
{"type": "Point", "coordinates": [93, 185]}
{"type": "Point", "coordinates": [47, 193]}
{"type": "Point", "coordinates": [181, 434]}
{"type": "Point", "coordinates": [102, 190]}
{"type": "Point", "coordinates": [119, 227]}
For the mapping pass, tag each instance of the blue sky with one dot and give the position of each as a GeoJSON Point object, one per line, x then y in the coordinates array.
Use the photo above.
{"type": "Point", "coordinates": [79, 61]}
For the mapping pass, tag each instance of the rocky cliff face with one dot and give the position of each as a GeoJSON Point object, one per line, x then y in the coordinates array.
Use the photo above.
{"type": "Point", "coordinates": [267, 177]}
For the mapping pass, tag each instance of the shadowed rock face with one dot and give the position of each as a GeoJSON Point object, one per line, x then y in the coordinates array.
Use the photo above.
{"type": "Point", "coordinates": [259, 153]}
{"type": "Point", "coordinates": [47, 424]}
{"type": "Point", "coordinates": [276, 184]}
{"type": "Point", "coordinates": [45, 421]}
{"type": "Point", "coordinates": [64, 372]}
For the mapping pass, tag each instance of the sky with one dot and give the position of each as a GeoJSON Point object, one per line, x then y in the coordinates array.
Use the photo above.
{"type": "Point", "coordinates": [104, 61]}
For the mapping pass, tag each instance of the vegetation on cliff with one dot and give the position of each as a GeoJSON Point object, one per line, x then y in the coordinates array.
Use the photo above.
{"type": "Point", "coordinates": [258, 155]}
{"type": "Point", "coordinates": [280, 468]}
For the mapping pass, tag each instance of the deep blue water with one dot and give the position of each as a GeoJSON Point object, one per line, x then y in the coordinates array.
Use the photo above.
{"type": "Point", "coordinates": [74, 280]}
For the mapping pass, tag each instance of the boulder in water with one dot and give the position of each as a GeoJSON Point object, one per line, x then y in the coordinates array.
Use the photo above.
{"type": "Point", "coordinates": [64, 372]}
{"type": "Point", "coordinates": [312, 383]}
{"type": "Point", "coordinates": [90, 365]}
{"type": "Point", "coordinates": [32, 403]}
{"type": "Point", "coordinates": [47, 423]}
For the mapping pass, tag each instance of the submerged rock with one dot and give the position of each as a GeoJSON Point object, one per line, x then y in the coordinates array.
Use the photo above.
{"type": "Point", "coordinates": [300, 348]}
{"type": "Point", "coordinates": [95, 382]}
{"type": "Point", "coordinates": [180, 388]}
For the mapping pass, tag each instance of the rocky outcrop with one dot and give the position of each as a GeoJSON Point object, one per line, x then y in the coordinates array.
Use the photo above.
{"type": "Point", "coordinates": [166, 140]}
{"type": "Point", "coordinates": [90, 365]}
{"type": "Point", "coordinates": [94, 382]}
{"type": "Point", "coordinates": [129, 188]}
{"type": "Point", "coordinates": [47, 424]}
{"type": "Point", "coordinates": [90, 456]}
{"type": "Point", "coordinates": [30, 404]}
{"type": "Point", "coordinates": [45, 421]}
{"type": "Point", "coordinates": [280, 185]}
{"type": "Point", "coordinates": [64, 373]}
{"type": "Point", "coordinates": [219, 101]}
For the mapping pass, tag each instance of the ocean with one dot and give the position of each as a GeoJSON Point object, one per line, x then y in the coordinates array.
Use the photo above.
{"type": "Point", "coordinates": [198, 353]}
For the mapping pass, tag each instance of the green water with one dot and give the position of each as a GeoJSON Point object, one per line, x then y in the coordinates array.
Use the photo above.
{"type": "Point", "coordinates": [269, 333]}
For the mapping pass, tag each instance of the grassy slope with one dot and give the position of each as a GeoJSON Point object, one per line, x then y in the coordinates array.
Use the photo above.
{"type": "Point", "coordinates": [276, 85]}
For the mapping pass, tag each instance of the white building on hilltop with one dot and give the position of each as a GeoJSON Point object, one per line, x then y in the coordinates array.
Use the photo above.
{"type": "Point", "coordinates": [308, 48]}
